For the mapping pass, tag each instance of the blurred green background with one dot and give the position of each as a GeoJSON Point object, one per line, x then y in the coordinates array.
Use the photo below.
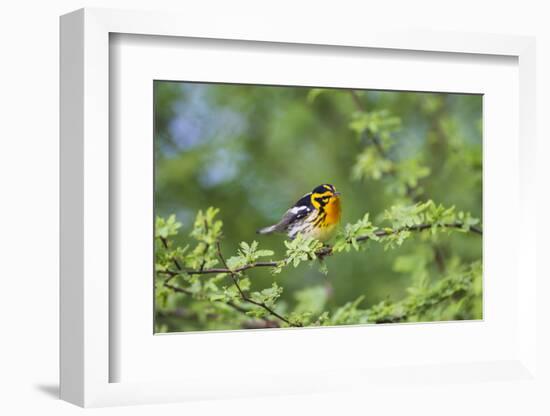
{"type": "Point", "coordinates": [252, 151]}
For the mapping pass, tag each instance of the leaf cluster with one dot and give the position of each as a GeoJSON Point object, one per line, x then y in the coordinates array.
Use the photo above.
{"type": "Point", "coordinates": [377, 130]}
{"type": "Point", "coordinates": [227, 294]}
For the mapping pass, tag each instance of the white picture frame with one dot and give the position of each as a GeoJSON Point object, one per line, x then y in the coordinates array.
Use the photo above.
{"type": "Point", "coordinates": [86, 351]}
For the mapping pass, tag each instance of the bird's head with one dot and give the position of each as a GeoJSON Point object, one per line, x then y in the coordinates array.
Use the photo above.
{"type": "Point", "coordinates": [325, 195]}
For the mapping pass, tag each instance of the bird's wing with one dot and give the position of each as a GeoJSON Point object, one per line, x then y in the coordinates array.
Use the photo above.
{"type": "Point", "coordinates": [301, 209]}
{"type": "Point", "coordinates": [289, 217]}
{"type": "Point", "coordinates": [293, 215]}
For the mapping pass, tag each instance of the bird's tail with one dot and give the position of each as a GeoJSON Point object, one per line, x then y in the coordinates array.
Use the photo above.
{"type": "Point", "coordinates": [267, 230]}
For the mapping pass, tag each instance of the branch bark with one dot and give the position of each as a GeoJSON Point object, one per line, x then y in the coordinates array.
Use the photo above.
{"type": "Point", "coordinates": [234, 274]}
{"type": "Point", "coordinates": [268, 323]}
{"type": "Point", "coordinates": [179, 289]}
{"type": "Point", "coordinates": [323, 252]}
{"type": "Point", "coordinates": [244, 297]}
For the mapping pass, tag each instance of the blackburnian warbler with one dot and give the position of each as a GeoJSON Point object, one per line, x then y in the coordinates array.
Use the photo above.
{"type": "Point", "coordinates": [315, 215]}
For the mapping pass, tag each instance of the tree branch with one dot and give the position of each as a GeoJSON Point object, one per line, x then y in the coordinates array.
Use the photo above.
{"type": "Point", "coordinates": [179, 289]}
{"type": "Point", "coordinates": [223, 270]}
{"type": "Point", "coordinates": [410, 191]}
{"type": "Point", "coordinates": [244, 297]}
{"type": "Point", "coordinates": [322, 252]}
{"type": "Point", "coordinates": [265, 322]}
{"type": "Point", "coordinates": [419, 227]}
{"type": "Point", "coordinates": [268, 323]}
{"type": "Point", "coordinates": [374, 138]}
{"type": "Point", "coordinates": [206, 247]}
{"type": "Point", "coordinates": [165, 244]}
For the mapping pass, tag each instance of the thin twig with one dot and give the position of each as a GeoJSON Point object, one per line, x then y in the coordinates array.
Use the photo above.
{"type": "Point", "coordinates": [244, 297]}
{"type": "Point", "coordinates": [321, 253]}
{"type": "Point", "coordinates": [206, 247]}
{"type": "Point", "coordinates": [374, 138]}
{"type": "Point", "coordinates": [418, 227]}
{"type": "Point", "coordinates": [179, 289]}
{"type": "Point", "coordinates": [219, 270]}
{"type": "Point", "coordinates": [410, 191]}
{"type": "Point", "coordinates": [231, 304]}
{"type": "Point", "coordinates": [165, 244]}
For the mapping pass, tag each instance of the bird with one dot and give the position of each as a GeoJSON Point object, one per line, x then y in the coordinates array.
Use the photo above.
{"type": "Point", "coordinates": [316, 214]}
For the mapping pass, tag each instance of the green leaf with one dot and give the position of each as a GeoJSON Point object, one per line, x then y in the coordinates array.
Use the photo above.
{"type": "Point", "coordinates": [247, 254]}
{"type": "Point", "coordinates": [264, 253]}
{"type": "Point", "coordinates": [206, 228]}
{"type": "Point", "coordinates": [301, 249]}
{"type": "Point", "coordinates": [375, 122]}
{"type": "Point", "coordinates": [165, 228]}
{"type": "Point", "coordinates": [235, 262]}
{"type": "Point", "coordinates": [347, 237]}
{"type": "Point", "coordinates": [268, 296]}
{"type": "Point", "coordinates": [370, 165]}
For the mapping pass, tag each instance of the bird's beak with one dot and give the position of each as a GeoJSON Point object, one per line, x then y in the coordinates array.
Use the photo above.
{"type": "Point", "coordinates": [337, 193]}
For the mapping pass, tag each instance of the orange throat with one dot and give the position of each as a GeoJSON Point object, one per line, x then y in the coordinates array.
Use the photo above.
{"type": "Point", "coordinates": [333, 211]}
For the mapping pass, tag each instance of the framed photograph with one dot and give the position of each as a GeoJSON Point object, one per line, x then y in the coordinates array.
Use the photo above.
{"type": "Point", "coordinates": [237, 165]}
{"type": "Point", "coordinates": [271, 207]}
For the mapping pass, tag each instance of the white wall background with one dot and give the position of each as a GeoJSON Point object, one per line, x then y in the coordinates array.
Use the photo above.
{"type": "Point", "coordinates": [29, 207]}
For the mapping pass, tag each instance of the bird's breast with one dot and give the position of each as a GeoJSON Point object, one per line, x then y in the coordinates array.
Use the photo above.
{"type": "Point", "coordinates": [333, 211]}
